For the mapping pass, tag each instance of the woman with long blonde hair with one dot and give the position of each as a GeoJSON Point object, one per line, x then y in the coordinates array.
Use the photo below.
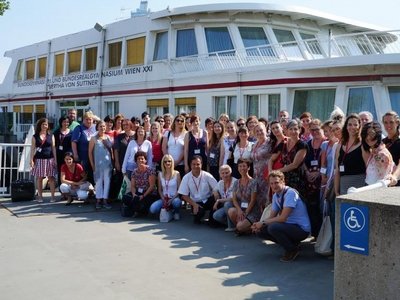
{"type": "Point", "coordinates": [168, 182]}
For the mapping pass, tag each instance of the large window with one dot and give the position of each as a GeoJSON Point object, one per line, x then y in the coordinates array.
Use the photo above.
{"type": "Point", "coordinates": [186, 43]}
{"type": "Point", "coordinates": [289, 45]}
{"type": "Point", "coordinates": [157, 107]}
{"type": "Point", "coordinates": [114, 54]}
{"type": "Point", "coordinates": [361, 99]}
{"type": "Point", "coordinates": [42, 67]}
{"type": "Point", "coordinates": [30, 69]}
{"type": "Point", "coordinates": [112, 108]}
{"type": "Point", "coordinates": [253, 37]}
{"type": "Point", "coordinates": [59, 61]}
{"type": "Point", "coordinates": [20, 70]}
{"type": "Point", "coordinates": [218, 39]}
{"type": "Point", "coordinates": [274, 106]}
{"type": "Point", "coordinates": [161, 47]}
{"type": "Point", "coordinates": [74, 61]}
{"type": "Point", "coordinates": [318, 102]}
{"type": "Point", "coordinates": [225, 105]}
{"type": "Point", "coordinates": [394, 95]}
{"type": "Point", "coordinates": [311, 43]}
{"type": "Point", "coordinates": [91, 58]}
{"type": "Point", "coordinates": [185, 105]}
{"type": "Point", "coordinates": [252, 105]}
{"type": "Point", "coordinates": [135, 51]}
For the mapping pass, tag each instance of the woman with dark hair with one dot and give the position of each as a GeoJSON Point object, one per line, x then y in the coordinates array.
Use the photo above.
{"type": "Point", "coordinates": [112, 134]}
{"type": "Point", "coordinates": [245, 210]}
{"type": "Point", "coordinates": [139, 143]}
{"type": "Point", "coordinates": [277, 139]}
{"type": "Point", "coordinates": [43, 158]}
{"type": "Point", "coordinates": [377, 157]}
{"type": "Point", "coordinates": [62, 139]}
{"type": "Point", "coordinates": [196, 143]}
{"type": "Point", "coordinates": [349, 162]}
{"type": "Point", "coordinates": [146, 123]}
{"type": "Point", "coordinates": [305, 120]}
{"type": "Point", "coordinates": [118, 124]}
{"type": "Point", "coordinates": [293, 154]}
{"type": "Point", "coordinates": [242, 150]}
{"type": "Point", "coordinates": [143, 187]}
{"type": "Point", "coordinates": [251, 123]}
{"type": "Point", "coordinates": [173, 143]}
{"type": "Point", "coordinates": [215, 154]}
{"type": "Point", "coordinates": [209, 125]}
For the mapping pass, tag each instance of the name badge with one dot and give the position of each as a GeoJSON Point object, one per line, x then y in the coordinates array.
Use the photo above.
{"type": "Point", "coordinates": [341, 168]}
{"type": "Point", "coordinates": [196, 151]}
{"type": "Point", "coordinates": [212, 155]}
{"type": "Point", "coordinates": [244, 205]}
{"type": "Point", "coordinates": [314, 163]}
{"type": "Point", "coordinates": [140, 190]}
{"type": "Point", "coordinates": [39, 149]}
{"type": "Point", "coordinates": [88, 138]}
{"type": "Point", "coordinates": [60, 148]}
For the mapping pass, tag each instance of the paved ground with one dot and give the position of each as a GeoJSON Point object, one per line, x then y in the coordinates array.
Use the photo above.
{"type": "Point", "coordinates": [49, 251]}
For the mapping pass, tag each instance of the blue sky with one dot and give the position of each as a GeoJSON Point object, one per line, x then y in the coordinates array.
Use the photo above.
{"type": "Point", "coordinates": [28, 22]}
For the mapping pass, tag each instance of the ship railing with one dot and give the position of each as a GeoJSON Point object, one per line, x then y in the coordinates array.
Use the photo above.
{"type": "Point", "coordinates": [14, 164]}
{"type": "Point", "coordinates": [366, 43]}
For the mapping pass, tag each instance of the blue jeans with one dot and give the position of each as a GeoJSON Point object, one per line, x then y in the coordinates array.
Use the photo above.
{"type": "Point", "coordinates": [287, 235]}
{"type": "Point", "coordinates": [221, 215]}
{"type": "Point", "coordinates": [155, 208]}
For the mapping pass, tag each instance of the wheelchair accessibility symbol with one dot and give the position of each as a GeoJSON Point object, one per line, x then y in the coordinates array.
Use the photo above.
{"type": "Point", "coordinates": [354, 219]}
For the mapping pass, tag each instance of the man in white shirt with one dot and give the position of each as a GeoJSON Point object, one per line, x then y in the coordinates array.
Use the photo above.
{"type": "Point", "coordinates": [197, 189]}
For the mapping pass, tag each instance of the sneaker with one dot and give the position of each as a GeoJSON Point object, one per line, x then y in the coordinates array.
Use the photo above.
{"type": "Point", "coordinates": [98, 205]}
{"type": "Point", "coordinates": [176, 216]}
{"type": "Point", "coordinates": [40, 200]}
{"type": "Point", "coordinates": [107, 206]}
{"type": "Point", "coordinates": [230, 229]}
{"type": "Point", "coordinates": [52, 200]}
{"type": "Point", "coordinates": [290, 256]}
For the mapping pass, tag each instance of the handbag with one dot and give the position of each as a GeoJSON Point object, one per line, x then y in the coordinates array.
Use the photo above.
{"type": "Point", "coordinates": [266, 212]}
{"type": "Point", "coordinates": [324, 240]}
{"type": "Point", "coordinates": [165, 215]}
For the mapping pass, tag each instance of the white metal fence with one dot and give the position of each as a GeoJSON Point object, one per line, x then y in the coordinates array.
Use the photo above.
{"type": "Point", "coordinates": [358, 44]}
{"type": "Point", "coordinates": [14, 164]}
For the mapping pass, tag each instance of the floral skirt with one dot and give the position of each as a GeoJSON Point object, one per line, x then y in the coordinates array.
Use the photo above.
{"type": "Point", "coordinates": [44, 168]}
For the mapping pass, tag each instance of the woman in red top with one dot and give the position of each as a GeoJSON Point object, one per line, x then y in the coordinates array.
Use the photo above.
{"type": "Point", "coordinates": [73, 179]}
{"type": "Point", "coordinates": [156, 142]}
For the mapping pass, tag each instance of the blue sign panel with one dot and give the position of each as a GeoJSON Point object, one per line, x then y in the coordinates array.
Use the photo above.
{"type": "Point", "coordinates": [354, 228]}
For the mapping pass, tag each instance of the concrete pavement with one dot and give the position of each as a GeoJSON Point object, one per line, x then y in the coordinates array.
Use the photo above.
{"type": "Point", "coordinates": [78, 253]}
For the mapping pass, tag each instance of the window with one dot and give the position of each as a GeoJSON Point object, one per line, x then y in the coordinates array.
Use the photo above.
{"type": "Point", "coordinates": [311, 43]}
{"type": "Point", "coordinates": [114, 54]}
{"type": "Point", "coordinates": [225, 105]}
{"type": "Point", "coordinates": [59, 60]}
{"type": "Point", "coordinates": [91, 59]}
{"type": "Point", "coordinates": [30, 69]}
{"type": "Point", "coordinates": [361, 99]}
{"type": "Point", "coordinates": [112, 108]}
{"type": "Point", "coordinates": [274, 106]}
{"type": "Point", "coordinates": [135, 51]}
{"type": "Point", "coordinates": [318, 102]}
{"type": "Point", "coordinates": [187, 105]}
{"type": "Point", "coordinates": [157, 107]}
{"type": "Point", "coordinates": [218, 39]}
{"type": "Point", "coordinates": [40, 108]}
{"type": "Point", "coordinates": [20, 70]}
{"type": "Point", "coordinates": [74, 61]}
{"type": "Point", "coordinates": [252, 105]}
{"type": "Point", "coordinates": [42, 67]}
{"type": "Point", "coordinates": [186, 43]}
{"type": "Point", "coordinates": [161, 47]}
{"type": "Point", "coordinates": [253, 37]}
{"type": "Point", "coordinates": [394, 95]}
{"type": "Point", "coordinates": [289, 45]}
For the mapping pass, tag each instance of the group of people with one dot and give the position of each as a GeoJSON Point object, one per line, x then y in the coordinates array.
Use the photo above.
{"type": "Point", "coordinates": [232, 168]}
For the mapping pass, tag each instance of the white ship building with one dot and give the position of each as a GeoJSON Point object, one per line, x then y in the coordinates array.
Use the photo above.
{"type": "Point", "coordinates": [242, 59]}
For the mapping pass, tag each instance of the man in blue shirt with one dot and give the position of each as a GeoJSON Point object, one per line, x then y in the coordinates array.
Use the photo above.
{"type": "Point", "coordinates": [288, 223]}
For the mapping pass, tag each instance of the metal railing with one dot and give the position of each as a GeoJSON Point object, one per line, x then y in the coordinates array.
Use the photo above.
{"type": "Point", "coordinates": [366, 43]}
{"type": "Point", "coordinates": [14, 164]}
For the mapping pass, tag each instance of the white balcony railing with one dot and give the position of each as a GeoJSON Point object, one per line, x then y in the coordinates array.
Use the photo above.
{"type": "Point", "coordinates": [367, 43]}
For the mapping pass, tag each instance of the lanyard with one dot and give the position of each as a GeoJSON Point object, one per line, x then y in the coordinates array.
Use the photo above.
{"type": "Point", "coordinates": [244, 191]}
{"type": "Point", "coordinates": [197, 185]}
{"type": "Point", "coordinates": [244, 149]}
{"type": "Point", "coordinates": [42, 141]}
{"type": "Point", "coordinates": [346, 151]}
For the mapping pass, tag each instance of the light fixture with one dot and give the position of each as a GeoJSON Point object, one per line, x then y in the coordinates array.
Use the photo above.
{"type": "Point", "coordinates": [98, 27]}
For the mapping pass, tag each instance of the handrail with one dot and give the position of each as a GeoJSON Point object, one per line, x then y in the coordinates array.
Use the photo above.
{"type": "Point", "coordinates": [376, 185]}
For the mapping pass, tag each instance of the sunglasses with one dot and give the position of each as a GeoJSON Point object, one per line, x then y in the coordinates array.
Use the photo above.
{"type": "Point", "coordinates": [241, 124]}
{"type": "Point", "coordinates": [179, 121]}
